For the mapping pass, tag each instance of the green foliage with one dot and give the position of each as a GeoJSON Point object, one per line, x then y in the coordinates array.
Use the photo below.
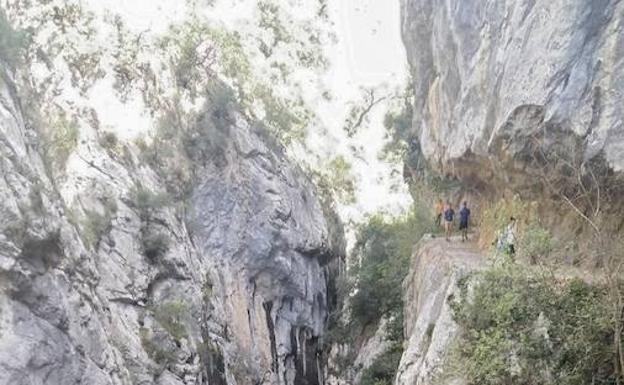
{"type": "Point", "coordinates": [109, 141]}
{"type": "Point", "coordinates": [146, 202]}
{"type": "Point", "coordinates": [60, 141]}
{"type": "Point", "coordinates": [95, 224]}
{"type": "Point", "coordinates": [184, 141]}
{"type": "Point", "coordinates": [519, 327]}
{"type": "Point", "coordinates": [381, 258]}
{"type": "Point", "coordinates": [172, 316]}
{"type": "Point", "coordinates": [271, 20]}
{"type": "Point", "coordinates": [495, 218]}
{"type": "Point", "coordinates": [199, 54]}
{"type": "Point", "coordinates": [383, 249]}
{"type": "Point", "coordinates": [398, 125]}
{"type": "Point", "coordinates": [336, 181]}
{"type": "Point", "coordinates": [62, 35]}
{"type": "Point", "coordinates": [154, 350]}
{"type": "Point", "coordinates": [383, 369]}
{"type": "Point", "coordinates": [193, 50]}
{"type": "Point", "coordinates": [535, 242]}
{"type": "Point", "coordinates": [154, 244]}
{"type": "Point", "coordinates": [12, 41]}
{"type": "Point", "coordinates": [207, 289]}
{"type": "Point", "coordinates": [116, 149]}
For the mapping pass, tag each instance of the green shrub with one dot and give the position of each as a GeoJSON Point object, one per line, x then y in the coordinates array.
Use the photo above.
{"type": "Point", "coordinates": [535, 243]}
{"type": "Point", "coordinates": [520, 327]}
{"type": "Point", "coordinates": [495, 218]}
{"type": "Point", "coordinates": [12, 41]}
{"type": "Point", "coordinates": [207, 289]}
{"type": "Point", "coordinates": [60, 141]}
{"type": "Point", "coordinates": [172, 316]}
{"type": "Point", "coordinates": [398, 125]}
{"type": "Point", "coordinates": [95, 225]}
{"type": "Point", "coordinates": [146, 202]}
{"type": "Point", "coordinates": [154, 244]}
{"type": "Point", "coordinates": [109, 141]}
{"type": "Point", "coordinates": [383, 369]}
{"type": "Point", "coordinates": [336, 182]}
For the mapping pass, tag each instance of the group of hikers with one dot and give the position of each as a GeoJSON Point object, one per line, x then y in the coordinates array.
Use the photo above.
{"type": "Point", "coordinates": [445, 216]}
{"type": "Point", "coordinates": [444, 211]}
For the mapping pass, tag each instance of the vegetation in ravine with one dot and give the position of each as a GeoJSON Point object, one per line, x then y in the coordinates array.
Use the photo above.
{"type": "Point", "coordinates": [381, 258]}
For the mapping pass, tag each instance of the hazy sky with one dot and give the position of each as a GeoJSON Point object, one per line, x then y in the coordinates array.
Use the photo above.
{"type": "Point", "coordinates": [371, 41]}
{"type": "Point", "coordinates": [369, 53]}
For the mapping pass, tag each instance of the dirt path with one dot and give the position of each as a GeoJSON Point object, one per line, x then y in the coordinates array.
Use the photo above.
{"type": "Point", "coordinates": [468, 254]}
{"type": "Point", "coordinates": [455, 251]}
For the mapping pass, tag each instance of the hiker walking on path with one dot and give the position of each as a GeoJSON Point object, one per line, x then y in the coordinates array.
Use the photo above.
{"type": "Point", "coordinates": [439, 211]}
{"type": "Point", "coordinates": [510, 236]}
{"type": "Point", "coordinates": [464, 217]}
{"type": "Point", "coordinates": [449, 215]}
{"type": "Point", "coordinates": [506, 240]}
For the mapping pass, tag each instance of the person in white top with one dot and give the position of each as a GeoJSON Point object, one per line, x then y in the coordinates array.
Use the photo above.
{"type": "Point", "coordinates": [510, 236]}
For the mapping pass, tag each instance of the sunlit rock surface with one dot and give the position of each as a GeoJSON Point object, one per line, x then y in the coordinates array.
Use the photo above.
{"type": "Point", "coordinates": [239, 296]}
{"type": "Point", "coordinates": [436, 269]}
{"type": "Point", "coordinates": [492, 78]}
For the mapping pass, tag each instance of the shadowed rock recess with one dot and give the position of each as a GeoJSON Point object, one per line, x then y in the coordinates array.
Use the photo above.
{"type": "Point", "coordinates": [509, 91]}
{"type": "Point", "coordinates": [97, 287]}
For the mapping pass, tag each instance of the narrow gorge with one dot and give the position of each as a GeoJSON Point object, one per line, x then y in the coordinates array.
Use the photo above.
{"type": "Point", "coordinates": [209, 253]}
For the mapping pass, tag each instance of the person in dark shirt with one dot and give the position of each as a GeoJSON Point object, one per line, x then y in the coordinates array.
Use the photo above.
{"type": "Point", "coordinates": [464, 218]}
{"type": "Point", "coordinates": [449, 215]}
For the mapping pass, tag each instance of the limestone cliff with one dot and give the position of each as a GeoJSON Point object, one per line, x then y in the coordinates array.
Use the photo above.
{"type": "Point", "coordinates": [507, 92]}
{"type": "Point", "coordinates": [430, 331]}
{"type": "Point", "coordinates": [105, 281]}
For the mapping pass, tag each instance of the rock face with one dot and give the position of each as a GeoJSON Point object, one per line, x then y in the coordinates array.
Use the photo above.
{"type": "Point", "coordinates": [259, 220]}
{"type": "Point", "coordinates": [501, 87]}
{"type": "Point", "coordinates": [104, 281]}
{"type": "Point", "coordinates": [437, 268]}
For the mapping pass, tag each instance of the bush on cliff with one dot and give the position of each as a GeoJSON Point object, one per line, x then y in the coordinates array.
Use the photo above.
{"type": "Point", "coordinates": [534, 243]}
{"type": "Point", "coordinates": [12, 41]}
{"type": "Point", "coordinates": [522, 327]}
{"type": "Point", "coordinates": [383, 369]}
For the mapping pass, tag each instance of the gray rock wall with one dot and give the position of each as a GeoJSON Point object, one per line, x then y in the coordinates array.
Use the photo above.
{"type": "Point", "coordinates": [90, 295]}
{"type": "Point", "coordinates": [260, 222]}
{"type": "Point", "coordinates": [492, 78]}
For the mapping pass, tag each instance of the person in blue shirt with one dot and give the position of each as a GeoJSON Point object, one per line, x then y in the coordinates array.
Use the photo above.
{"type": "Point", "coordinates": [464, 218]}
{"type": "Point", "coordinates": [449, 215]}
